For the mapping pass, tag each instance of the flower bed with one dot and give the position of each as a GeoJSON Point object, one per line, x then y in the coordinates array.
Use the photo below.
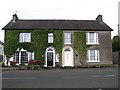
{"type": "Point", "coordinates": [34, 62]}
{"type": "Point", "coordinates": [12, 63]}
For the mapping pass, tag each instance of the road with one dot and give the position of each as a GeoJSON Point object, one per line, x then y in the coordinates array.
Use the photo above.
{"type": "Point", "coordinates": [61, 78]}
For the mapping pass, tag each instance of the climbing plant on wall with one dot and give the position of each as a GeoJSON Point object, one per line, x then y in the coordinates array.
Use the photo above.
{"type": "Point", "coordinates": [80, 45]}
{"type": "Point", "coordinates": [38, 44]}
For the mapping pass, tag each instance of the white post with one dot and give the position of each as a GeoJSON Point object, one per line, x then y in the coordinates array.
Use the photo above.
{"type": "Point", "coordinates": [19, 57]}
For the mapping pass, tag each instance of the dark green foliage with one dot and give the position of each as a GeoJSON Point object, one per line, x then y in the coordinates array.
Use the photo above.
{"type": "Point", "coordinates": [38, 44]}
{"type": "Point", "coordinates": [116, 43]}
{"type": "Point", "coordinates": [80, 45]}
{"type": "Point", "coordinates": [11, 42]}
{"type": "Point", "coordinates": [58, 41]}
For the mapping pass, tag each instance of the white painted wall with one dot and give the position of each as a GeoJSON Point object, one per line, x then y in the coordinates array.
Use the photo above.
{"type": "Point", "coordinates": [1, 49]}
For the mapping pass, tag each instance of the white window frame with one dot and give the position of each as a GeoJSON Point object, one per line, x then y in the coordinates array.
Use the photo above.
{"type": "Point", "coordinates": [30, 56]}
{"type": "Point", "coordinates": [95, 38]}
{"type": "Point", "coordinates": [50, 37]}
{"type": "Point", "coordinates": [96, 56]}
{"type": "Point", "coordinates": [24, 37]}
{"type": "Point", "coordinates": [67, 38]}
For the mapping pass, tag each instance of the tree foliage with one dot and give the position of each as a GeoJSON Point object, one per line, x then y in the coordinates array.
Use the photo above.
{"type": "Point", "coordinates": [116, 43]}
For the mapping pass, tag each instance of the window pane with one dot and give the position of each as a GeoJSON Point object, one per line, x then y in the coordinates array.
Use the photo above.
{"type": "Point", "coordinates": [92, 54]}
{"type": "Point", "coordinates": [50, 37]}
{"type": "Point", "coordinates": [24, 57]}
{"type": "Point", "coordinates": [27, 37]}
{"type": "Point", "coordinates": [91, 37]}
{"type": "Point", "coordinates": [21, 37]}
{"type": "Point", "coordinates": [97, 38]}
{"type": "Point", "coordinates": [67, 38]}
{"type": "Point", "coordinates": [31, 55]}
{"type": "Point", "coordinates": [16, 57]}
{"type": "Point", "coordinates": [97, 55]}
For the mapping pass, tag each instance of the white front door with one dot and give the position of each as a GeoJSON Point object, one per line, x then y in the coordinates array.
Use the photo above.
{"type": "Point", "coordinates": [67, 58]}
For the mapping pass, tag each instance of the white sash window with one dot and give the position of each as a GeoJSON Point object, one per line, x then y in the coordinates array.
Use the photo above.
{"type": "Point", "coordinates": [50, 37]}
{"type": "Point", "coordinates": [93, 56]}
{"type": "Point", "coordinates": [67, 38]}
{"type": "Point", "coordinates": [25, 37]}
{"type": "Point", "coordinates": [92, 38]}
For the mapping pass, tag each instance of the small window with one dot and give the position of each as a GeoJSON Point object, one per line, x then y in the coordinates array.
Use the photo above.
{"type": "Point", "coordinates": [93, 56]}
{"type": "Point", "coordinates": [50, 37]}
{"type": "Point", "coordinates": [92, 38]}
{"type": "Point", "coordinates": [25, 37]}
{"type": "Point", "coordinates": [67, 38]}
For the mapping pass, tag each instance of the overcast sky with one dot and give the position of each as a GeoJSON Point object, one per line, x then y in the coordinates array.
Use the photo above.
{"type": "Point", "coordinates": [59, 9]}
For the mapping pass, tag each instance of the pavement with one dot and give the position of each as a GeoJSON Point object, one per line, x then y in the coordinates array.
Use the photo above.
{"type": "Point", "coordinates": [61, 78]}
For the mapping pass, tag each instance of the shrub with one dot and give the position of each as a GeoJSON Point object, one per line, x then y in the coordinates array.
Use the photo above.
{"type": "Point", "coordinates": [12, 63]}
{"type": "Point", "coordinates": [34, 62]}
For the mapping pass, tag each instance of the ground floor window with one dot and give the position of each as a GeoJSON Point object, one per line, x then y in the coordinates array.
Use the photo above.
{"type": "Point", "coordinates": [93, 56]}
{"type": "Point", "coordinates": [21, 57]}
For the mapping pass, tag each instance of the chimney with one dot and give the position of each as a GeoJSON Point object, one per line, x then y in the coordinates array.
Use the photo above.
{"type": "Point", "coordinates": [15, 18]}
{"type": "Point", "coordinates": [99, 18]}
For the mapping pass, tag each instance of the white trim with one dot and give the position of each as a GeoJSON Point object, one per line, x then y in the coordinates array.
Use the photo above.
{"type": "Point", "coordinates": [19, 57]}
{"type": "Point", "coordinates": [93, 61]}
{"type": "Point", "coordinates": [53, 50]}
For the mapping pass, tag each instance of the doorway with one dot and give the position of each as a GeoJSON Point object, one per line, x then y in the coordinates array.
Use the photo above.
{"type": "Point", "coordinates": [67, 57]}
{"type": "Point", "coordinates": [50, 57]}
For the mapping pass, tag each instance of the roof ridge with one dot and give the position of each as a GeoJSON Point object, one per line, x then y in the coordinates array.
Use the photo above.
{"type": "Point", "coordinates": [52, 20]}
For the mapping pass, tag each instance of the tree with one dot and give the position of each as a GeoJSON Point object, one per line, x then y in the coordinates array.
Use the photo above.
{"type": "Point", "coordinates": [116, 43]}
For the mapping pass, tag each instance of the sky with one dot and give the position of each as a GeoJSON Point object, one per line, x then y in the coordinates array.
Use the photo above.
{"type": "Point", "coordinates": [60, 9]}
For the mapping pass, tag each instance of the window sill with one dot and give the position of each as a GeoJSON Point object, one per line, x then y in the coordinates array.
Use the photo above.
{"type": "Point", "coordinates": [24, 42]}
{"type": "Point", "coordinates": [67, 43]}
{"type": "Point", "coordinates": [93, 61]}
{"type": "Point", "coordinates": [92, 43]}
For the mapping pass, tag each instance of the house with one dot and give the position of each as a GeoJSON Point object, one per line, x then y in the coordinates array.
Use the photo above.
{"type": "Point", "coordinates": [1, 51]}
{"type": "Point", "coordinates": [59, 42]}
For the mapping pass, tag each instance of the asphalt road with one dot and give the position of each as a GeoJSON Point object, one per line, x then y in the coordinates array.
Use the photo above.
{"type": "Point", "coordinates": [61, 78]}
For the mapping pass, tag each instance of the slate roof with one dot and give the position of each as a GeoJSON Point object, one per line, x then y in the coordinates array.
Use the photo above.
{"type": "Point", "coordinates": [20, 24]}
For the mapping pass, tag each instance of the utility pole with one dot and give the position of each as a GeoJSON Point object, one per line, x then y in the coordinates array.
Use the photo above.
{"type": "Point", "coordinates": [118, 30]}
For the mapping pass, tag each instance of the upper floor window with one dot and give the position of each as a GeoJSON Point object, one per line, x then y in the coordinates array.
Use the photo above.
{"type": "Point", "coordinates": [50, 37]}
{"type": "Point", "coordinates": [93, 56]}
{"type": "Point", "coordinates": [25, 37]}
{"type": "Point", "coordinates": [92, 38]}
{"type": "Point", "coordinates": [67, 38]}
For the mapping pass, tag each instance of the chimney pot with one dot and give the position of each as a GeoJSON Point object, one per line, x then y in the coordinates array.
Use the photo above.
{"type": "Point", "coordinates": [99, 18]}
{"type": "Point", "coordinates": [15, 17]}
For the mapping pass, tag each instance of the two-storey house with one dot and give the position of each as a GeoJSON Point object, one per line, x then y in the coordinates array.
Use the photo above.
{"type": "Point", "coordinates": [58, 42]}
